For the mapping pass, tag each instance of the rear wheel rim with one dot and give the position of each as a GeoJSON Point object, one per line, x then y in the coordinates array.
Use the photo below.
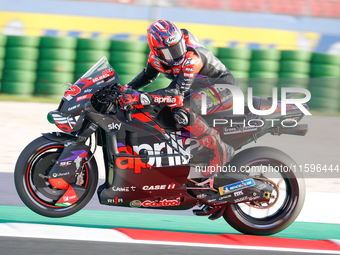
{"type": "Point", "coordinates": [288, 202]}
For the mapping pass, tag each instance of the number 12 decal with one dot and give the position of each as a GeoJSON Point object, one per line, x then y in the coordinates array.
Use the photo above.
{"type": "Point", "coordinates": [72, 91]}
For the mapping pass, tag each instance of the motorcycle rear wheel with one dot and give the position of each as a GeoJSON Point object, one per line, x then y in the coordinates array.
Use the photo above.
{"type": "Point", "coordinates": [36, 192]}
{"type": "Point", "coordinates": [291, 203]}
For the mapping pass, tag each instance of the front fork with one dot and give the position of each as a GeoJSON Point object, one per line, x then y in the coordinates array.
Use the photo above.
{"type": "Point", "coordinates": [70, 162]}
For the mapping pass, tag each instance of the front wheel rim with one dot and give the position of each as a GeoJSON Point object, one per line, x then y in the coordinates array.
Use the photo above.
{"type": "Point", "coordinates": [37, 194]}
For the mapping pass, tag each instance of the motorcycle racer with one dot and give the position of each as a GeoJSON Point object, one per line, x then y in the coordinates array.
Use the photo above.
{"type": "Point", "coordinates": [194, 71]}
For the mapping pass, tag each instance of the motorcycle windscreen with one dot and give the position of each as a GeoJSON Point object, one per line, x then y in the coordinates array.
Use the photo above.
{"type": "Point", "coordinates": [98, 76]}
{"type": "Point", "coordinates": [97, 69]}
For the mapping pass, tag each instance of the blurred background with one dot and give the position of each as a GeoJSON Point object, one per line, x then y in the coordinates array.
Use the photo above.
{"type": "Point", "coordinates": [265, 43]}
{"type": "Point", "coordinates": [45, 44]}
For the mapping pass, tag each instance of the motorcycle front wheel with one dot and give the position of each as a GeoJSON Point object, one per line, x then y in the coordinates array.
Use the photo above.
{"type": "Point", "coordinates": [34, 189]}
{"type": "Point", "coordinates": [252, 219]}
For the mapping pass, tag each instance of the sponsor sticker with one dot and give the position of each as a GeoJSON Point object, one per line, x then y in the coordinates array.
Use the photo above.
{"type": "Point", "coordinates": [114, 126]}
{"type": "Point", "coordinates": [83, 97]}
{"type": "Point", "coordinates": [101, 77]}
{"type": "Point", "coordinates": [236, 186]}
{"type": "Point", "coordinates": [190, 75]}
{"type": "Point", "coordinates": [115, 200]}
{"type": "Point", "coordinates": [149, 203]}
{"type": "Point", "coordinates": [238, 193]}
{"type": "Point", "coordinates": [171, 39]}
{"type": "Point", "coordinates": [159, 187]}
{"type": "Point", "coordinates": [123, 189]}
{"type": "Point", "coordinates": [156, 63]}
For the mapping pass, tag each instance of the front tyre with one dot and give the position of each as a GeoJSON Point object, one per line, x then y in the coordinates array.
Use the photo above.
{"type": "Point", "coordinates": [35, 162]}
{"type": "Point", "coordinates": [255, 220]}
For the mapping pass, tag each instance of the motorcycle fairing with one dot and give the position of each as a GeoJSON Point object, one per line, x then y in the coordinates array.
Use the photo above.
{"type": "Point", "coordinates": [158, 185]}
{"type": "Point", "coordinates": [78, 96]}
{"type": "Point", "coordinates": [141, 163]}
{"type": "Point", "coordinates": [63, 121]}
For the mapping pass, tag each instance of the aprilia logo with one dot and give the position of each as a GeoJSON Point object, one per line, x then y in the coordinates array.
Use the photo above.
{"type": "Point", "coordinates": [136, 163]}
{"type": "Point", "coordinates": [165, 100]}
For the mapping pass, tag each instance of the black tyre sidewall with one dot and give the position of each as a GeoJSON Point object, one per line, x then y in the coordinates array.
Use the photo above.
{"type": "Point", "coordinates": [21, 185]}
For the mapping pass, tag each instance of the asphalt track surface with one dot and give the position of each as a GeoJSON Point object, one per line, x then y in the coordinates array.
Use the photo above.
{"type": "Point", "coordinates": [21, 246]}
{"type": "Point", "coordinates": [13, 210]}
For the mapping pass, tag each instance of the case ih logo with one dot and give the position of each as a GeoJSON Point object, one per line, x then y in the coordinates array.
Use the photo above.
{"type": "Point", "coordinates": [149, 203]}
{"type": "Point", "coordinates": [159, 187]}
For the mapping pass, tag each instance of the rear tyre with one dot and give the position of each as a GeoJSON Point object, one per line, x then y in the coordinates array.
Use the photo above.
{"type": "Point", "coordinates": [36, 192]}
{"type": "Point", "coordinates": [276, 218]}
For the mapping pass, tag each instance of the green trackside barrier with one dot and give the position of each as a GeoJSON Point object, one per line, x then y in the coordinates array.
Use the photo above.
{"type": "Point", "coordinates": [31, 65]}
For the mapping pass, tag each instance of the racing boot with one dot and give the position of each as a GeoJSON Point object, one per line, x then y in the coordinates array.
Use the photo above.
{"type": "Point", "coordinates": [210, 138]}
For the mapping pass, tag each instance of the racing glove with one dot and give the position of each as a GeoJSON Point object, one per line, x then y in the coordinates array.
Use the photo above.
{"type": "Point", "coordinates": [132, 97]}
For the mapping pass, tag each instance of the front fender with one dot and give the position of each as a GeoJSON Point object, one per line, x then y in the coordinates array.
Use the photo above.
{"type": "Point", "coordinates": [71, 159]}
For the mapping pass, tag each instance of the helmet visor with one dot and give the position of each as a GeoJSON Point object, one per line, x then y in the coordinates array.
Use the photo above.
{"type": "Point", "coordinates": [174, 52]}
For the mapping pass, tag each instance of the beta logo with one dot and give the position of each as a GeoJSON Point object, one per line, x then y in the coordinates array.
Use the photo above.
{"type": "Point", "coordinates": [149, 203]}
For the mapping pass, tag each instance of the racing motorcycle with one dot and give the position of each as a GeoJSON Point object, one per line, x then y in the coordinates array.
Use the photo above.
{"type": "Point", "coordinates": [150, 162]}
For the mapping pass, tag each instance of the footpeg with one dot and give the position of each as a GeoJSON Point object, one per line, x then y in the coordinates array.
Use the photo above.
{"type": "Point", "coordinates": [217, 214]}
{"type": "Point", "coordinates": [203, 212]}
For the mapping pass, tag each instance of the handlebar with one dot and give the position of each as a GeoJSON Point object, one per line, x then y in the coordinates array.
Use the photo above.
{"type": "Point", "coordinates": [111, 95]}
